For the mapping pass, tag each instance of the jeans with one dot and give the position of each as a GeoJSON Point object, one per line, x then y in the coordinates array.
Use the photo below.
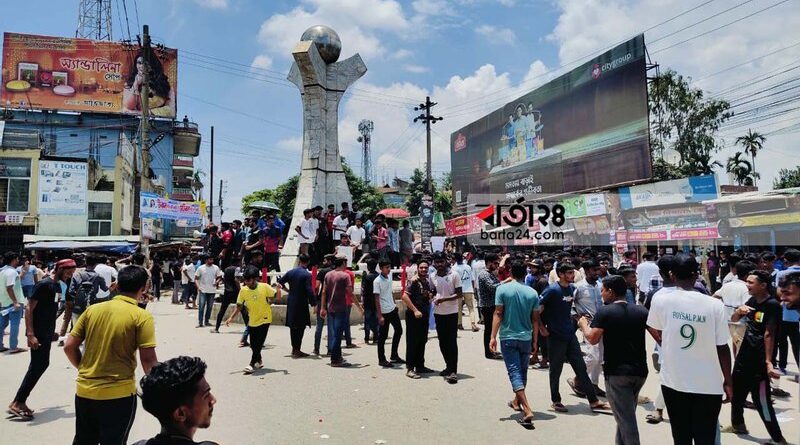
{"type": "Point", "coordinates": [157, 290]}
{"type": "Point", "coordinates": [623, 394]}
{"type": "Point", "coordinates": [27, 291]}
{"type": "Point", "coordinates": [348, 336]}
{"type": "Point", "coordinates": [692, 417]}
{"type": "Point", "coordinates": [40, 360]}
{"type": "Point", "coordinates": [393, 319]}
{"type": "Point", "coordinates": [246, 319]}
{"type": "Point", "coordinates": [789, 331]}
{"type": "Point", "coordinates": [488, 316]}
{"type": "Point", "coordinates": [176, 291]}
{"type": "Point", "coordinates": [103, 421]}
{"type": "Point", "coordinates": [336, 328]}
{"type": "Point", "coordinates": [187, 293]}
{"type": "Point", "coordinates": [567, 350]}
{"type": "Point", "coordinates": [416, 339]}
{"type": "Point", "coordinates": [515, 355]}
{"type": "Point", "coordinates": [318, 330]}
{"type": "Point", "coordinates": [13, 318]}
{"type": "Point", "coordinates": [447, 331]}
{"type": "Point", "coordinates": [258, 335]}
{"type": "Point", "coordinates": [370, 324]}
{"type": "Point", "coordinates": [227, 300]}
{"type": "Point", "coordinates": [204, 305]}
{"type": "Point", "coordinates": [747, 382]}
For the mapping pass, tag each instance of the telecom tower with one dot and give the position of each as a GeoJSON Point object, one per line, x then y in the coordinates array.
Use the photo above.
{"type": "Point", "coordinates": [94, 20]}
{"type": "Point", "coordinates": [365, 127]}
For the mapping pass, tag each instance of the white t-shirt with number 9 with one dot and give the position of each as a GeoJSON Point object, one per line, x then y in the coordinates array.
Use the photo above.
{"type": "Point", "coordinates": [692, 326]}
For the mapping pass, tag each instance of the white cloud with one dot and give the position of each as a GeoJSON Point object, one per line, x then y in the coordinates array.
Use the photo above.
{"type": "Point", "coordinates": [359, 24]}
{"type": "Point", "coordinates": [293, 145]}
{"type": "Point", "coordinates": [585, 28]}
{"type": "Point", "coordinates": [262, 61]}
{"type": "Point", "coordinates": [401, 54]}
{"type": "Point", "coordinates": [497, 35]}
{"type": "Point", "coordinates": [213, 4]}
{"type": "Point", "coordinates": [433, 7]}
{"type": "Point", "coordinates": [416, 69]}
{"type": "Point", "coordinates": [508, 3]}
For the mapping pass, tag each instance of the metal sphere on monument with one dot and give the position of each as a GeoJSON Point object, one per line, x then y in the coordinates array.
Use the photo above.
{"type": "Point", "coordinates": [326, 40]}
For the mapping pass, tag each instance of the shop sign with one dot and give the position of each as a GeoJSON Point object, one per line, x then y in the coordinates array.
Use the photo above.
{"type": "Point", "coordinates": [658, 235]}
{"type": "Point", "coordinates": [765, 220]}
{"type": "Point", "coordinates": [11, 219]}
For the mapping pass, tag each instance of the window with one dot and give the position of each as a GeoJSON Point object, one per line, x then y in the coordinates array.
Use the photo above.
{"type": "Point", "coordinates": [100, 214]}
{"type": "Point", "coordinates": [15, 181]}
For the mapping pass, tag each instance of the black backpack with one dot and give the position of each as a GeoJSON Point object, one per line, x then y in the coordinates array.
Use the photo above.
{"type": "Point", "coordinates": [86, 293]}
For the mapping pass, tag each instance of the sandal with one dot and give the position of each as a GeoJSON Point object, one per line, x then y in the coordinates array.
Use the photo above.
{"type": "Point", "coordinates": [527, 422]}
{"type": "Point", "coordinates": [515, 408]}
{"type": "Point", "coordinates": [24, 415]}
{"type": "Point", "coordinates": [601, 408]}
{"type": "Point", "coordinates": [559, 407]}
{"type": "Point", "coordinates": [654, 419]}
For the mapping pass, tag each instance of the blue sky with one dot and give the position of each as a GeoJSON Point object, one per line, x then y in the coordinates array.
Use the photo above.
{"type": "Point", "coordinates": [481, 51]}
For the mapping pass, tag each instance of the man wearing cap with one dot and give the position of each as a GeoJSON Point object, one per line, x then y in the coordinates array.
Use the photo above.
{"type": "Point", "coordinates": [40, 323]}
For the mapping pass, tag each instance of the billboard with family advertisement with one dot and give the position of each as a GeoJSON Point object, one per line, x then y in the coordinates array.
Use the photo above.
{"type": "Point", "coordinates": [586, 129]}
{"type": "Point", "coordinates": [57, 73]}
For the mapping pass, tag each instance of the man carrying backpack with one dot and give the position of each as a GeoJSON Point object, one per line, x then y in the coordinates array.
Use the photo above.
{"type": "Point", "coordinates": [84, 287]}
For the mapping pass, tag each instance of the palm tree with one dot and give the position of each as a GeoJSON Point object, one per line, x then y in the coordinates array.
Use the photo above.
{"type": "Point", "coordinates": [197, 183]}
{"type": "Point", "coordinates": [752, 143]}
{"type": "Point", "coordinates": [740, 168]}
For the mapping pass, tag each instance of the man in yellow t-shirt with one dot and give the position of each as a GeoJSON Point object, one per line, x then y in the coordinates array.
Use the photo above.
{"type": "Point", "coordinates": [256, 297]}
{"type": "Point", "coordinates": [105, 400]}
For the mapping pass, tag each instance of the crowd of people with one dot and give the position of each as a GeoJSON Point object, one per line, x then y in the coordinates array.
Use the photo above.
{"type": "Point", "coordinates": [538, 311]}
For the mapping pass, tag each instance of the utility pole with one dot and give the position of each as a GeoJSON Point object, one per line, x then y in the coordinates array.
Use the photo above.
{"type": "Point", "coordinates": [144, 126]}
{"type": "Point", "coordinates": [211, 181]}
{"type": "Point", "coordinates": [428, 119]}
{"type": "Point", "coordinates": [220, 201]}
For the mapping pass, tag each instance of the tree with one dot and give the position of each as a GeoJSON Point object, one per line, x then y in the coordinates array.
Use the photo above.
{"type": "Point", "coordinates": [684, 121]}
{"type": "Point", "coordinates": [752, 143]}
{"type": "Point", "coordinates": [443, 200]}
{"type": "Point", "coordinates": [741, 169]}
{"type": "Point", "coordinates": [416, 189]}
{"type": "Point", "coordinates": [787, 178]}
{"type": "Point", "coordinates": [364, 196]}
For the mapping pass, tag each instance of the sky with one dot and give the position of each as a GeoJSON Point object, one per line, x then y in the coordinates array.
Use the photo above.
{"type": "Point", "coordinates": [470, 56]}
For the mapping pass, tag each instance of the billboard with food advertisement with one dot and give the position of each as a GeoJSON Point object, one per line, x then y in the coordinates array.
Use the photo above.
{"type": "Point", "coordinates": [586, 129]}
{"type": "Point", "coordinates": [57, 73]}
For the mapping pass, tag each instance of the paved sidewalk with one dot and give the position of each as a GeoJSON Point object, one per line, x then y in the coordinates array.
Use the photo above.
{"type": "Point", "coordinates": [307, 401]}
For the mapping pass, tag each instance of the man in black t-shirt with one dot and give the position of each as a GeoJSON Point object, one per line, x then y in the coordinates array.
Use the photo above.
{"type": "Point", "coordinates": [621, 327]}
{"type": "Point", "coordinates": [417, 298]}
{"type": "Point", "coordinates": [229, 295]}
{"type": "Point", "coordinates": [40, 325]}
{"type": "Point", "coordinates": [368, 300]}
{"type": "Point", "coordinates": [177, 394]}
{"type": "Point", "coordinates": [753, 367]}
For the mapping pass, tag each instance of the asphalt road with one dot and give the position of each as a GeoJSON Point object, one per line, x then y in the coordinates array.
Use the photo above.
{"type": "Point", "coordinates": [307, 401]}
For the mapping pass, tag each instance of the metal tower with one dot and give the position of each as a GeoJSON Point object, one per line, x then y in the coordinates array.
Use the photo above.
{"type": "Point", "coordinates": [365, 127]}
{"type": "Point", "coordinates": [94, 20]}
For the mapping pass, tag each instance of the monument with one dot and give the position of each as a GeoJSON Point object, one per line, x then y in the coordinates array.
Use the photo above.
{"type": "Point", "coordinates": [322, 81]}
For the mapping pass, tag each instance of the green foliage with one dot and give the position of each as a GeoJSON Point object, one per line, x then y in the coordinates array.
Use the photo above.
{"type": "Point", "coordinates": [684, 120]}
{"type": "Point", "coordinates": [752, 143]}
{"type": "Point", "coordinates": [787, 178]}
{"type": "Point", "coordinates": [416, 189]}
{"type": "Point", "coordinates": [443, 200]}
{"type": "Point", "coordinates": [741, 169]}
{"type": "Point", "coordinates": [365, 197]}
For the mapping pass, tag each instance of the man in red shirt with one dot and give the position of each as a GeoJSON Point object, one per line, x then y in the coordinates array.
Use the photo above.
{"type": "Point", "coordinates": [227, 244]}
{"type": "Point", "coordinates": [334, 308]}
{"type": "Point", "coordinates": [350, 300]}
{"type": "Point", "coordinates": [271, 238]}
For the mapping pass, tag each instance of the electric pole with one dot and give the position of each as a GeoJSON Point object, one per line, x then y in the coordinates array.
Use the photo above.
{"type": "Point", "coordinates": [145, 120]}
{"type": "Point", "coordinates": [220, 201]}
{"type": "Point", "coordinates": [428, 119]}
{"type": "Point", "coordinates": [211, 181]}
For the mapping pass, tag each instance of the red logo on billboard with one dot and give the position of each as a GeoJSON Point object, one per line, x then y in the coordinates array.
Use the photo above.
{"type": "Point", "coordinates": [596, 71]}
{"type": "Point", "coordinates": [461, 142]}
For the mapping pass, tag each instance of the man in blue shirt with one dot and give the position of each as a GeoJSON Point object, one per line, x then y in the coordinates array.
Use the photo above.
{"type": "Point", "coordinates": [28, 276]}
{"type": "Point", "coordinates": [562, 344]}
{"type": "Point", "coordinates": [516, 318]}
{"type": "Point", "coordinates": [790, 324]}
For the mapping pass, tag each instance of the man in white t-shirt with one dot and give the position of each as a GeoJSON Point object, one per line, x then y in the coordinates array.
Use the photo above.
{"type": "Point", "coordinates": [340, 224]}
{"type": "Point", "coordinates": [733, 294]}
{"type": "Point", "coordinates": [467, 277]}
{"type": "Point", "coordinates": [696, 369]}
{"type": "Point", "coordinates": [12, 302]}
{"type": "Point", "coordinates": [207, 277]}
{"type": "Point", "coordinates": [357, 236]}
{"type": "Point", "coordinates": [447, 302]}
{"type": "Point", "coordinates": [306, 234]}
{"type": "Point", "coordinates": [388, 314]}
{"type": "Point", "coordinates": [645, 272]}
{"type": "Point", "coordinates": [109, 275]}
{"type": "Point", "coordinates": [188, 288]}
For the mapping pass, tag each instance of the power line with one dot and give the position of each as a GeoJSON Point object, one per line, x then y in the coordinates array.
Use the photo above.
{"type": "Point", "coordinates": [700, 21]}
{"type": "Point", "coordinates": [233, 110]}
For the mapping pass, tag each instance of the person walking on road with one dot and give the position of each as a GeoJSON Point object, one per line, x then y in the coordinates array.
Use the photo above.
{"type": "Point", "coordinates": [388, 315]}
{"type": "Point", "coordinates": [516, 319]}
{"type": "Point", "coordinates": [40, 323]}
{"type": "Point", "coordinates": [206, 278]}
{"type": "Point", "coordinates": [621, 327]}
{"type": "Point", "coordinates": [447, 303]}
{"type": "Point", "coordinates": [105, 400]}
{"type": "Point", "coordinates": [257, 298]}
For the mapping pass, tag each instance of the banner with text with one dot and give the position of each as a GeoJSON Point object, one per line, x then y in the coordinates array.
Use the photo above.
{"type": "Point", "coordinates": [154, 206]}
{"type": "Point", "coordinates": [62, 187]}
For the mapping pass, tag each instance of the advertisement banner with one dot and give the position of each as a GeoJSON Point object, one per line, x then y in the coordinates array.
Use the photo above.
{"type": "Point", "coordinates": [586, 129]}
{"type": "Point", "coordinates": [62, 187]}
{"type": "Point", "coordinates": [701, 233]}
{"type": "Point", "coordinates": [156, 207]}
{"type": "Point", "coordinates": [426, 220]}
{"type": "Point", "coordinates": [592, 204]}
{"type": "Point", "coordinates": [656, 235]}
{"type": "Point", "coordinates": [677, 191]}
{"type": "Point", "coordinates": [463, 225]}
{"type": "Point", "coordinates": [57, 73]}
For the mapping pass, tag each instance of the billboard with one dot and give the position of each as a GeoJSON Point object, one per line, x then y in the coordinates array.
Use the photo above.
{"type": "Point", "coordinates": [62, 187]}
{"type": "Point", "coordinates": [156, 207]}
{"type": "Point", "coordinates": [57, 73]}
{"type": "Point", "coordinates": [694, 189]}
{"type": "Point", "coordinates": [586, 129]}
